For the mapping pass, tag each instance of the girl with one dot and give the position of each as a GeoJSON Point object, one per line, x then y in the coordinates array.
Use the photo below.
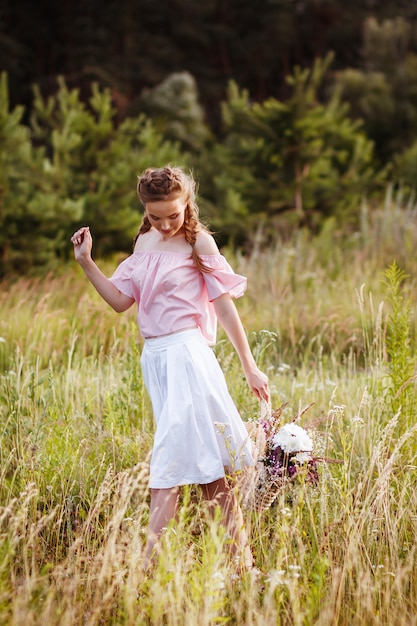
{"type": "Point", "coordinates": [182, 285]}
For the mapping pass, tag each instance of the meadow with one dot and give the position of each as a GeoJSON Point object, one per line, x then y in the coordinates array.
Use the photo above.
{"type": "Point", "coordinates": [331, 320]}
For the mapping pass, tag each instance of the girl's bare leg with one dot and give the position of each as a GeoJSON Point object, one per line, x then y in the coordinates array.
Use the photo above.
{"type": "Point", "coordinates": [218, 493]}
{"type": "Point", "coordinates": [163, 510]}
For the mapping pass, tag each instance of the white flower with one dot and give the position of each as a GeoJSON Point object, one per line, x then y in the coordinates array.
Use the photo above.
{"type": "Point", "coordinates": [220, 427]}
{"type": "Point", "coordinates": [293, 438]}
{"type": "Point", "coordinates": [302, 457]}
{"type": "Point", "coordinates": [219, 580]}
{"type": "Point", "coordinates": [276, 577]}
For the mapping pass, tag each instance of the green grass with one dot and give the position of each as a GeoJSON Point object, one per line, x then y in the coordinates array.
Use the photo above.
{"type": "Point", "coordinates": [331, 321]}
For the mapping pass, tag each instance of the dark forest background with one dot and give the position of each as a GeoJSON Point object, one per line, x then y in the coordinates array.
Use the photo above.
{"type": "Point", "coordinates": [131, 45]}
{"type": "Point", "coordinates": [290, 113]}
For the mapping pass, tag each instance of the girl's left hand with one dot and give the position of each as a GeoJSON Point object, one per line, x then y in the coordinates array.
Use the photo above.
{"type": "Point", "coordinates": [258, 382]}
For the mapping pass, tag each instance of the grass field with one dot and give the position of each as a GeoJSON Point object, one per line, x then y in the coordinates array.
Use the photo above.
{"type": "Point", "coordinates": [331, 320]}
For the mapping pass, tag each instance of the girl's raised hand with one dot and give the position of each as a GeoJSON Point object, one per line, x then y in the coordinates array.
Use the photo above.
{"type": "Point", "coordinates": [82, 242]}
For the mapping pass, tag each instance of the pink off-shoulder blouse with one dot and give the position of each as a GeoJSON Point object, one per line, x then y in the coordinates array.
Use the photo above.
{"type": "Point", "coordinates": [172, 294]}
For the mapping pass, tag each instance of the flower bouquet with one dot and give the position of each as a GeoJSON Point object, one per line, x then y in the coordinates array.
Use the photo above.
{"type": "Point", "coordinates": [282, 454]}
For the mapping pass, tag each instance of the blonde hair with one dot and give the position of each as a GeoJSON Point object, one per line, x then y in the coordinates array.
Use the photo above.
{"type": "Point", "coordinates": [169, 183]}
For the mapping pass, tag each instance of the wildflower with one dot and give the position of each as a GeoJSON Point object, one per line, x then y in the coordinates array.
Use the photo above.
{"type": "Point", "coordinates": [302, 457]}
{"type": "Point", "coordinates": [337, 410]}
{"type": "Point", "coordinates": [220, 427]}
{"type": "Point", "coordinates": [276, 577]}
{"type": "Point", "coordinates": [293, 438]}
{"type": "Point", "coordinates": [219, 580]}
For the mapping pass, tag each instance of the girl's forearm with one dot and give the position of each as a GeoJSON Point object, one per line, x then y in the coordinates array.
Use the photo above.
{"type": "Point", "coordinates": [229, 318]}
{"type": "Point", "coordinates": [115, 298]}
{"type": "Point", "coordinates": [234, 330]}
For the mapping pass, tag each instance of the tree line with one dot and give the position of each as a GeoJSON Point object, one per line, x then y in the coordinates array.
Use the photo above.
{"type": "Point", "coordinates": [130, 45]}
{"type": "Point", "coordinates": [337, 135]}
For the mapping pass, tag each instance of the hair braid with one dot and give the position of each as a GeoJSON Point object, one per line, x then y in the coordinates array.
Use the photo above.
{"type": "Point", "coordinates": [192, 226]}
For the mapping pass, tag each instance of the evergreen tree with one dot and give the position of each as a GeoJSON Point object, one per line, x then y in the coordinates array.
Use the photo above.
{"type": "Point", "coordinates": [174, 108]}
{"type": "Point", "coordinates": [95, 162]}
{"type": "Point", "coordinates": [30, 222]}
{"type": "Point", "coordinates": [383, 92]}
{"type": "Point", "coordinates": [301, 156]}
{"type": "Point", "coordinates": [76, 166]}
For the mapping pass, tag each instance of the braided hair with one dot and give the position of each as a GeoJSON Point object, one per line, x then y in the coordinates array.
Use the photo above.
{"type": "Point", "coordinates": [169, 183]}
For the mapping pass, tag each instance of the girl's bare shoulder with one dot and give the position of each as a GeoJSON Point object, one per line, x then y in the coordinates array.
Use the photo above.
{"type": "Point", "coordinates": [205, 243]}
{"type": "Point", "coordinates": [145, 241]}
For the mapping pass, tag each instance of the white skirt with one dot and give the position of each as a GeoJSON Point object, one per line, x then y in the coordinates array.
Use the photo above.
{"type": "Point", "coordinates": [199, 433]}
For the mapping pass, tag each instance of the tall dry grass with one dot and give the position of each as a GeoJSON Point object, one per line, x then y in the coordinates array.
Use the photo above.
{"type": "Point", "coordinates": [76, 431]}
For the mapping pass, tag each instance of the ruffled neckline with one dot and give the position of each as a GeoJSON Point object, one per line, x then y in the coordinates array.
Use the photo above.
{"type": "Point", "coordinates": [177, 252]}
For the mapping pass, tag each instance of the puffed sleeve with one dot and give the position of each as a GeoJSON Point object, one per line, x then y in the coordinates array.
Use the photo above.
{"type": "Point", "coordinates": [222, 279]}
{"type": "Point", "coordinates": [121, 277]}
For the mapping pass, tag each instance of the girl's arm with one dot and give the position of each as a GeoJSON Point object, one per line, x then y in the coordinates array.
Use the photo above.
{"type": "Point", "coordinates": [229, 318]}
{"type": "Point", "coordinates": [83, 243]}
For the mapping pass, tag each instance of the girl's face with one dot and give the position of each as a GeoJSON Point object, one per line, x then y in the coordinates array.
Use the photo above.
{"type": "Point", "coordinates": [167, 216]}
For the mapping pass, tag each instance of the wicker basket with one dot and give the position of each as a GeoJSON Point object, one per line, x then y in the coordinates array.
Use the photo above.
{"type": "Point", "coordinates": [260, 485]}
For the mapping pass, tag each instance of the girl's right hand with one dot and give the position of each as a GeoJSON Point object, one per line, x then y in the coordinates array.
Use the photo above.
{"type": "Point", "coordinates": [83, 244]}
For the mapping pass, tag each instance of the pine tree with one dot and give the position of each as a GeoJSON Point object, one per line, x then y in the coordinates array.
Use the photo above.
{"type": "Point", "coordinates": [303, 156]}
{"type": "Point", "coordinates": [95, 162]}
{"type": "Point", "coordinates": [75, 166]}
{"type": "Point", "coordinates": [25, 236]}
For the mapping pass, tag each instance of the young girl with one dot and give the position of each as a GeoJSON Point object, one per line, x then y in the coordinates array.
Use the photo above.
{"type": "Point", "coordinates": [182, 285]}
